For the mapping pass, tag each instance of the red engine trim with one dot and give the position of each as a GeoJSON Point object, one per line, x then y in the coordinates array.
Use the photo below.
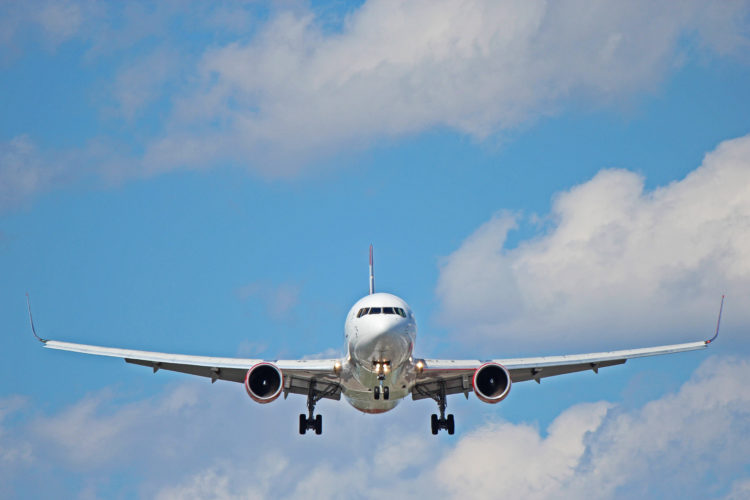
{"type": "Point", "coordinates": [496, 399]}
{"type": "Point", "coordinates": [268, 399]}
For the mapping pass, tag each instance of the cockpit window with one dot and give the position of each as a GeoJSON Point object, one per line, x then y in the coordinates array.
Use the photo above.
{"type": "Point", "coordinates": [381, 310]}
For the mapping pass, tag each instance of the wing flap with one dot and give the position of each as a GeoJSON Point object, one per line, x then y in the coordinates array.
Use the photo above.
{"type": "Point", "coordinates": [536, 373]}
{"type": "Point", "coordinates": [300, 384]}
{"type": "Point", "coordinates": [212, 372]}
{"type": "Point", "coordinates": [432, 382]}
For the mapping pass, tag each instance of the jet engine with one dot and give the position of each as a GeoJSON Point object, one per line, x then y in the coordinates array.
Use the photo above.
{"type": "Point", "coordinates": [491, 382]}
{"type": "Point", "coordinates": [263, 382]}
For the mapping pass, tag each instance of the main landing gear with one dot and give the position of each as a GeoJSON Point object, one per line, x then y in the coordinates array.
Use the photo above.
{"type": "Point", "coordinates": [311, 421]}
{"type": "Point", "coordinates": [437, 423]}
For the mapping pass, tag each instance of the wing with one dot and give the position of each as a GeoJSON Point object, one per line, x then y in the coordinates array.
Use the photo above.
{"type": "Point", "coordinates": [298, 374]}
{"type": "Point", "coordinates": [447, 376]}
{"type": "Point", "coordinates": [457, 374]}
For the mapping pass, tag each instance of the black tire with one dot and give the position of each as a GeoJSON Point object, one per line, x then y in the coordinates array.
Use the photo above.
{"type": "Point", "coordinates": [451, 424]}
{"type": "Point", "coordinates": [376, 392]}
{"type": "Point", "coordinates": [434, 424]}
{"type": "Point", "coordinates": [386, 393]}
{"type": "Point", "coordinates": [302, 423]}
{"type": "Point", "coordinates": [319, 424]}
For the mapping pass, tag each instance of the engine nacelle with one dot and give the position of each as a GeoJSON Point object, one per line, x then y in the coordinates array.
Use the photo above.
{"type": "Point", "coordinates": [491, 382]}
{"type": "Point", "coordinates": [264, 382]}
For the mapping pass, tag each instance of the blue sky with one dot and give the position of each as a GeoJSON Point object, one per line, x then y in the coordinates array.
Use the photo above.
{"type": "Point", "coordinates": [535, 178]}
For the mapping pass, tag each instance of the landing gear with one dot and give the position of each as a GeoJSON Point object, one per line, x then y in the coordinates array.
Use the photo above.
{"type": "Point", "coordinates": [385, 391]}
{"type": "Point", "coordinates": [311, 421]}
{"type": "Point", "coordinates": [437, 423]}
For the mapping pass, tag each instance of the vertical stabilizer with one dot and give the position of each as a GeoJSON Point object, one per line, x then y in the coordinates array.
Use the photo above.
{"type": "Point", "coordinates": [372, 274]}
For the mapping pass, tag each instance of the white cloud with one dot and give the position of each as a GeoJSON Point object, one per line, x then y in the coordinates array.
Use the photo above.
{"type": "Point", "coordinates": [740, 490]}
{"type": "Point", "coordinates": [504, 459]}
{"type": "Point", "coordinates": [91, 434]}
{"type": "Point", "coordinates": [24, 171]}
{"type": "Point", "coordinates": [210, 441]}
{"type": "Point", "coordinates": [278, 95]}
{"type": "Point", "coordinates": [60, 20]}
{"type": "Point", "coordinates": [397, 68]}
{"type": "Point", "coordinates": [141, 82]}
{"type": "Point", "coordinates": [12, 452]}
{"type": "Point", "coordinates": [279, 300]}
{"type": "Point", "coordinates": [675, 446]}
{"type": "Point", "coordinates": [617, 261]}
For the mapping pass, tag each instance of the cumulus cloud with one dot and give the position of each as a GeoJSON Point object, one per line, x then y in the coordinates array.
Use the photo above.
{"type": "Point", "coordinates": [92, 434]}
{"type": "Point", "coordinates": [190, 442]}
{"type": "Point", "coordinates": [616, 261]}
{"type": "Point", "coordinates": [674, 446]}
{"type": "Point", "coordinates": [279, 91]}
{"type": "Point", "coordinates": [397, 68]}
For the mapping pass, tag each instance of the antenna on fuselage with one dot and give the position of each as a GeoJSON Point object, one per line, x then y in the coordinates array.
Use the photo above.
{"type": "Point", "coordinates": [372, 274]}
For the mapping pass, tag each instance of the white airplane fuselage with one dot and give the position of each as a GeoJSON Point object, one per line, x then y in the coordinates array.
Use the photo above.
{"type": "Point", "coordinates": [379, 353]}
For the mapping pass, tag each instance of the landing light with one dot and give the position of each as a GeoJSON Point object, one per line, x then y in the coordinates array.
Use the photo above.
{"type": "Point", "coordinates": [419, 366]}
{"type": "Point", "coordinates": [337, 367]}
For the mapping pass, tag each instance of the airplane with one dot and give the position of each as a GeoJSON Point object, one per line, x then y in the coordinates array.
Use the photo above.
{"type": "Point", "coordinates": [379, 369]}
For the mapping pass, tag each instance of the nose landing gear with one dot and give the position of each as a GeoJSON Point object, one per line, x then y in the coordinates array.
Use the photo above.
{"type": "Point", "coordinates": [381, 368]}
{"type": "Point", "coordinates": [380, 389]}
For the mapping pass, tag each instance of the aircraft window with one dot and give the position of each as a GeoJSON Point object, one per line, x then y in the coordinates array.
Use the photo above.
{"type": "Point", "coordinates": [374, 310]}
{"type": "Point", "coordinates": [362, 312]}
{"type": "Point", "coordinates": [400, 312]}
{"type": "Point", "coordinates": [388, 310]}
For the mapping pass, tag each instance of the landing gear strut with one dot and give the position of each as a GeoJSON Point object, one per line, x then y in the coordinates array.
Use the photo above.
{"type": "Point", "coordinates": [437, 423]}
{"type": "Point", "coordinates": [311, 421]}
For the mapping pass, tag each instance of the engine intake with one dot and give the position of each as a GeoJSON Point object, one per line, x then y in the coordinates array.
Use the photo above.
{"type": "Point", "coordinates": [263, 382]}
{"type": "Point", "coordinates": [491, 382]}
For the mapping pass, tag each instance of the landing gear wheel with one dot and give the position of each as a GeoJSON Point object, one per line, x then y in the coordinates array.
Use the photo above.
{"type": "Point", "coordinates": [386, 393]}
{"type": "Point", "coordinates": [451, 424]}
{"type": "Point", "coordinates": [376, 392]}
{"type": "Point", "coordinates": [434, 424]}
{"type": "Point", "coordinates": [302, 423]}
{"type": "Point", "coordinates": [319, 425]}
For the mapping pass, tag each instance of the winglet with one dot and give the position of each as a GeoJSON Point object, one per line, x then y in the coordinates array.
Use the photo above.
{"type": "Point", "coordinates": [718, 322]}
{"type": "Point", "coordinates": [372, 274]}
{"type": "Point", "coordinates": [31, 319]}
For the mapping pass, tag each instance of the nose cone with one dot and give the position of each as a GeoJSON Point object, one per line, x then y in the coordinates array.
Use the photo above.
{"type": "Point", "coordinates": [384, 338]}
